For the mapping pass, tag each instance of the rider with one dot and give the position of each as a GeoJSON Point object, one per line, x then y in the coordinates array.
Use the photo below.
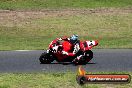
{"type": "Point", "coordinates": [57, 44]}
{"type": "Point", "coordinates": [76, 47]}
{"type": "Point", "coordinates": [75, 44]}
{"type": "Point", "coordinates": [73, 39]}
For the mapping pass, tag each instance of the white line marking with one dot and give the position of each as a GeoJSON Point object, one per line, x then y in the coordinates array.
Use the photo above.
{"type": "Point", "coordinates": [23, 50]}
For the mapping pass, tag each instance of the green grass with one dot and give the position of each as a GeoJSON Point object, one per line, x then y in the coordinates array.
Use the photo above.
{"type": "Point", "coordinates": [113, 30]}
{"type": "Point", "coordinates": [29, 31]}
{"type": "Point", "coordinates": [59, 4]}
{"type": "Point", "coordinates": [51, 80]}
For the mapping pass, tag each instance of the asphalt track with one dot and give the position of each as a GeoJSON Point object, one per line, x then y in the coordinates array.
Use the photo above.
{"type": "Point", "coordinates": [104, 60]}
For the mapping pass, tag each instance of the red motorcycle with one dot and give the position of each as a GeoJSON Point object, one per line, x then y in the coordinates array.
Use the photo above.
{"type": "Point", "coordinates": [78, 53]}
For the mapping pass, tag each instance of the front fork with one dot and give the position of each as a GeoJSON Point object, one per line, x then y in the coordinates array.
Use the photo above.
{"type": "Point", "coordinates": [77, 59]}
{"type": "Point", "coordinates": [80, 55]}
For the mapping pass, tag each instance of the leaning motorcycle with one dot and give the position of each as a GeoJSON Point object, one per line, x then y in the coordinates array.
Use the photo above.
{"type": "Point", "coordinates": [82, 50]}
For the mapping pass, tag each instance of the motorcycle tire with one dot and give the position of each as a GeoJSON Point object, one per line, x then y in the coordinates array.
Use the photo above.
{"type": "Point", "coordinates": [46, 58]}
{"type": "Point", "coordinates": [85, 59]}
{"type": "Point", "coordinates": [88, 55]}
{"type": "Point", "coordinates": [82, 61]}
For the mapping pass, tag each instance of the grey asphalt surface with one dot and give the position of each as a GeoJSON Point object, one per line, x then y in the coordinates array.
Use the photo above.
{"type": "Point", "coordinates": [104, 60]}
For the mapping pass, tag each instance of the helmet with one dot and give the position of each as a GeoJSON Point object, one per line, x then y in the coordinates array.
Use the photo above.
{"type": "Point", "coordinates": [74, 37]}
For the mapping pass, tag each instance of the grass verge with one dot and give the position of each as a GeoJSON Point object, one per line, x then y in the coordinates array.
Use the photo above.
{"type": "Point", "coordinates": [57, 4]}
{"type": "Point", "coordinates": [36, 29]}
{"type": "Point", "coordinates": [51, 80]}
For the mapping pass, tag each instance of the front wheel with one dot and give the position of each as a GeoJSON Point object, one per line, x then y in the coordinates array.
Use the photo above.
{"type": "Point", "coordinates": [88, 55]}
{"type": "Point", "coordinates": [46, 58]}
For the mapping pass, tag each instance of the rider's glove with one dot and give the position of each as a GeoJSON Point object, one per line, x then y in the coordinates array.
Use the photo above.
{"type": "Point", "coordinates": [64, 52]}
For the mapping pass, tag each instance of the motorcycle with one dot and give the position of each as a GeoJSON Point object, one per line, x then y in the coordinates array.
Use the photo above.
{"type": "Point", "coordinates": [58, 48]}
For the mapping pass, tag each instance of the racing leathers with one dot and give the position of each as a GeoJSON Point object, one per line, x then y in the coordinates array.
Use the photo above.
{"type": "Point", "coordinates": [71, 47]}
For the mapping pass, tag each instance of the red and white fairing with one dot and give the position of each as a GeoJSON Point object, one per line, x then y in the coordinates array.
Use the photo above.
{"type": "Point", "coordinates": [88, 45]}
{"type": "Point", "coordinates": [67, 46]}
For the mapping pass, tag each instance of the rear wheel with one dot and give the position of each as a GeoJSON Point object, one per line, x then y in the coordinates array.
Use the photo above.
{"type": "Point", "coordinates": [46, 58]}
